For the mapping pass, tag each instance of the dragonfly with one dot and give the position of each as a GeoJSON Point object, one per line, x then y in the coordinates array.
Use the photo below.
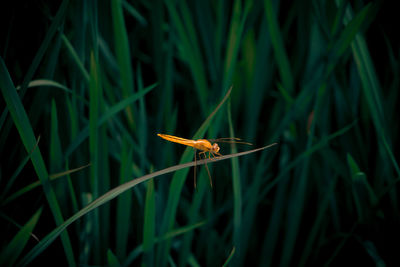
{"type": "Point", "coordinates": [209, 146]}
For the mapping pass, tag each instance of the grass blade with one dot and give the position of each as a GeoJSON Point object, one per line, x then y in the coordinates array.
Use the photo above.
{"type": "Point", "coordinates": [149, 225]}
{"type": "Point", "coordinates": [277, 44]}
{"type": "Point", "coordinates": [56, 22]}
{"type": "Point", "coordinates": [226, 263]}
{"type": "Point", "coordinates": [177, 185]}
{"type": "Point", "coordinates": [372, 90]}
{"type": "Point", "coordinates": [76, 58]}
{"type": "Point", "coordinates": [175, 232]}
{"type": "Point", "coordinates": [123, 217]}
{"type": "Point", "coordinates": [27, 136]}
{"type": "Point", "coordinates": [32, 186]}
{"type": "Point", "coordinates": [12, 251]}
{"type": "Point", "coordinates": [45, 242]}
{"type": "Point", "coordinates": [237, 192]}
{"type": "Point", "coordinates": [106, 116]}
{"type": "Point", "coordinates": [112, 259]}
{"type": "Point", "coordinates": [123, 57]}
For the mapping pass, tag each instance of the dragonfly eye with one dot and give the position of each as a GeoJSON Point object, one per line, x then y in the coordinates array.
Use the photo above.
{"type": "Point", "coordinates": [216, 147]}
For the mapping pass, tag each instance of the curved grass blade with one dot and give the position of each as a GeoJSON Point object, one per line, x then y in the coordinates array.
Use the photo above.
{"type": "Point", "coordinates": [46, 241]}
{"type": "Point", "coordinates": [230, 257]}
{"type": "Point", "coordinates": [11, 180]}
{"type": "Point", "coordinates": [13, 250]}
{"type": "Point", "coordinates": [45, 82]}
{"type": "Point", "coordinates": [25, 131]}
{"type": "Point", "coordinates": [51, 83]}
{"type": "Point", "coordinates": [177, 184]}
{"type": "Point", "coordinates": [56, 22]}
{"type": "Point", "coordinates": [31, 186]}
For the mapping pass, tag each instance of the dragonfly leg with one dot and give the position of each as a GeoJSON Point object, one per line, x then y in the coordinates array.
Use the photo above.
{"type": "Point", "coordinates": [208, 171]}
{"type": "Point", "coordinates": [214, 154]}
{"type": "Point", "coordinates": [195, 167]}
{"type": "Point", "coordinates": [209, 155]}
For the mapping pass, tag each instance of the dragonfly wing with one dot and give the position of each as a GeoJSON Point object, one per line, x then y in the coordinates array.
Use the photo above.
{"type": "Point", "coordinates": [230, 140]}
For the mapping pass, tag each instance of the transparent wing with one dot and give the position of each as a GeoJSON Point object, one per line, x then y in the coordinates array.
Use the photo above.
{"type": "Point", "coordinates": [230, 140]}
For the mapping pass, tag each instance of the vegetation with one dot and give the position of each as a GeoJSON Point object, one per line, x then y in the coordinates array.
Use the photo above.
{"type": "Point", "coordinates": [87, 85]}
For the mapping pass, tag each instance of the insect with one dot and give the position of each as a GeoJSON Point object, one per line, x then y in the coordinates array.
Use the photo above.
{"type": "Point", "coordinates": [205, 145]}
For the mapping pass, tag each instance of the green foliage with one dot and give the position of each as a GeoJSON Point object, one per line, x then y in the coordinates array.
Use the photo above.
{"type": "Point", "coordinates": [99, 80]}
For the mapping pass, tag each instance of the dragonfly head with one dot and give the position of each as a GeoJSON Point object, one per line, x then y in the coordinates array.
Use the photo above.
{"type": "Point", "coordinates": [215, 147]}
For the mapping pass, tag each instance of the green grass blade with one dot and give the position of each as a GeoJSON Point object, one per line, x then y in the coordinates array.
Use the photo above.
{"type": "Point", "coordinates": [347, 36]}
{"type": "Point", "coordinates": [13, 250]}
{"type": "Point", "coordinates": [296, 206]}
{"type": "Point", "coordinates": [106, 116]}
{"type": "Point", "coordinates": [11, 180]}
{"type": "Point", "coordinates": [351, 29]}
{"type": "Point", "coordinates": [56, 22]}
{"type": "Point", "coordinates": [293, 205]}
{"type": "Point", "coordinates": [189, 48]}
{"type": "Point", "coordinates": [72, 194]}
{"type": "Point", "coordinates": [271, 237]}
{"type": "Point", "coordinates": [95, 93]}
{"type": "Point", "coordinates": [149, 225]}
{"type": "Point", "coordinates": [193, 216]}
{"type": "Point", "coordinates": [27, 136]}
{"type": "Point", "coordinates": [323, 142]}
{"type": "Point", "coordinates": [281, 56]}
{"type": "Point", "coordinates": [55, 144]}
{"type": "Point", "coordinates": [226, 263]}
{"type": "Point", "coordinates": [234, 39]}
{"type": "Point", "coordinates": [33, 185]}
{"type": "Point", "coordinates": [237, 192]}
{"type": "Point", "coordinates": [372, 91]}
{"type": "Point", "coordinates": [316, 228]}
{"type": "Point", "coordinates": [46, 241]}
{"type": "Point", "coordinates": [123, 57]}
{"type": "Point", "coordinates": [261, 79]}
{"type": "Point", "coordinates": [364, 197]}
{"type": "Point", "coordinates": [251, 209]}
{"type": "Point", "coordinates": [176, 186]}
{"type": "Point", "coordinates": [173, 233]}
{"type": "Point", "coordinates": [134, 13]}
{"type": "Point", "coordinates": [76, 58]}
{"type": "Point", "coordinates": [112, 259]}
{"type": "Point", "coordinates": [123, 216]}
{"type": "Point", "coordinates": [142, 122]}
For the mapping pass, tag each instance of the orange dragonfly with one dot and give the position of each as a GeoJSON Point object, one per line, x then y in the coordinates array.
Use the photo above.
{"type": "Point", "coordinates": [205, 146]}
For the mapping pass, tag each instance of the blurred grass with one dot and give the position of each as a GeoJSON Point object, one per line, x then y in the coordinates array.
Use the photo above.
{"type": "Point", "coordinates": [318, 77]}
